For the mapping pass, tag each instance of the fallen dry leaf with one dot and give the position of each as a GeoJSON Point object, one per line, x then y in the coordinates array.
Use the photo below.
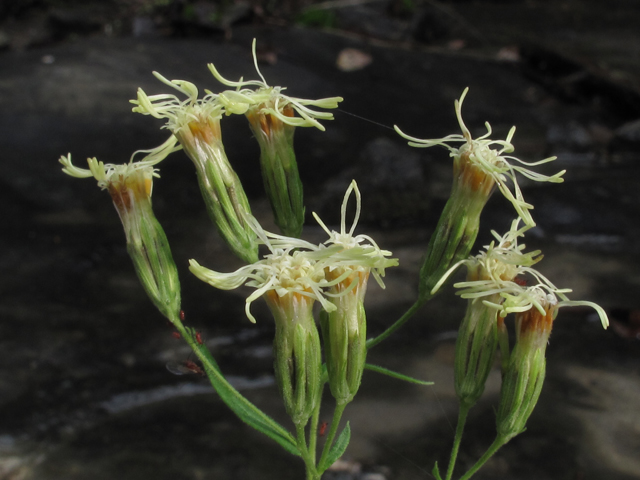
{"type": "Point", "coordinates": [351, 59]}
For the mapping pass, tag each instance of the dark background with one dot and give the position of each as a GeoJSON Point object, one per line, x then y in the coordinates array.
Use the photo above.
{"type": "Point", "coordinates": [84, 392]}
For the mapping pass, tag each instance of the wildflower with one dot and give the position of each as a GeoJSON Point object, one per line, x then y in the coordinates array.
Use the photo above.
{"type": "Point", "coordinates": [130, 186]}
{"type": "Point", "coordinates": [270, 100]}
{"type": "Point", "coordinates": [479, 167]}
{"type": "Point", "coordinates": [344, 328]}
{"type": "Point", "coordinates": [290, 268]}
{"type": "Point", "coordinates": [271, 115]}
{"type": "Point", "coordinates": [487, 275]}
{"type": "Point", "coordinates": [525, 372]}
{"type": "Point", "coordinates": [495, 268]}
{"type": "Point", "coordinates": [290, 280]}
{"type": "Point", "coordinates": [477, 170]}
{"type": "Point", "coordinates": [502, 270]}
{"type": "Point", "coordinates": [494, 287]}
{"type": "Point", "coordinates": [196, 124]}
{"type": "Point", "coordinates": [536, 308]}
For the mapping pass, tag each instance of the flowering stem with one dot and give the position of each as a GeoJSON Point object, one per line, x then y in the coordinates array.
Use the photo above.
{"type": "Point", "coordinates": [312, 474]}
{"type": "Point", "coordinates": [463, 411]}
{"type": "Point", "coordinates": [313, 429]}
{"type": "Point", "coordinates": [335, 423]}
{"type": "Point", "coordinates": [495, 446]}
{"type": "Point", "coordinates": [307, 455]}
{"type": "Point", "coordinates": [372, 342]}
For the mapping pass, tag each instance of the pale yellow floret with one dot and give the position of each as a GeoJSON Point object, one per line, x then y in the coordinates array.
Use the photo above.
{"type": "Point", "coordinates": [178, 113]}
{"type": "Point", "coordinates": [494, 267]}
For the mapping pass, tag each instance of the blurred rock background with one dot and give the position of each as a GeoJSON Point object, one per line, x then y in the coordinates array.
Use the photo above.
{"type": "Point", "coordinates": [84, 392]}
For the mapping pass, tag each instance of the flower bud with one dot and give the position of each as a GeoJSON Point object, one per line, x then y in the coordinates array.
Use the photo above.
{"type": "Point", "coordinates": [475, 351]}
{"type": "Point", "coordinates": [525, 373]}
{"type": "Point", "coordinates": [297, 354]}
{"type": "Point", "coordinates": [344, 333]}
{"type": "Point", "coordinates": [279, 168]}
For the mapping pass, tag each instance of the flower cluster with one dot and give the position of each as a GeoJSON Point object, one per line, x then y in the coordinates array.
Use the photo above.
{"type": "Point", "coordinates": [269, 100]}
{"type": "Point", "coordinates": [271, 115]}
{"type": "Point", "coordinates": [196, 124]}
{"type": "Point", "coordinates": [291, 278]}
{"type": "Point", "coordinates": [295, 266]}
{"type": "Point", "coordinates": [295, 273]}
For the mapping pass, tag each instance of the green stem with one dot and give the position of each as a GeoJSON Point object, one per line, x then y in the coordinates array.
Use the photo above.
{"type": "Point", "coordinates": [463, 411]}
{"type": "Point", "coordinates": [313, 429]}
{"type": "Point", "coordinates": [335, 423]}
{"type": "Point", "coordinates": [312, 474]}
{"type": "Point", "coordinates": [495, 446]}
{"type": "Point", "coordinates": [372, 342]}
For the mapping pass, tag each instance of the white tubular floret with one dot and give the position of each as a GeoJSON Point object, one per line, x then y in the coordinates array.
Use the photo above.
{"type": "Point", "coordinates": [494, 268]}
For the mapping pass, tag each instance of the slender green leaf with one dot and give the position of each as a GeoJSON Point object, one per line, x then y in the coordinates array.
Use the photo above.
{"type": "Point", "coordinates": [243, 408]}
{"type": "Point", "coordinates": [337, 449]}
{"type": "Point", "coordinates": [436, 472]}
{"type": "Point", "coordinates": [399, 376]}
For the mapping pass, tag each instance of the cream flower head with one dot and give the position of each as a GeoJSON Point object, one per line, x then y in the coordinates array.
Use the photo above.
{"type": "Point", "coordinates": [290, 268]}
{"type": "Point", "coordinates": [359, 252]}
{"type": "Point", "coordinates": [496, 267]}
{"type": "Point", "coordinates": [105, 173]}
{"type": "Point", "coordinates": [295, 266]}
{"type": "Point", "coordinates": [491, 161]}
{"type": "Point", "coordinates": [177, 112]}
{"type": "Point", "coordinates": [541, 296]}
{"type": "Point", "coordinates": [501, 270]}
{"type": "Point", "coordinates": [271, 100]}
